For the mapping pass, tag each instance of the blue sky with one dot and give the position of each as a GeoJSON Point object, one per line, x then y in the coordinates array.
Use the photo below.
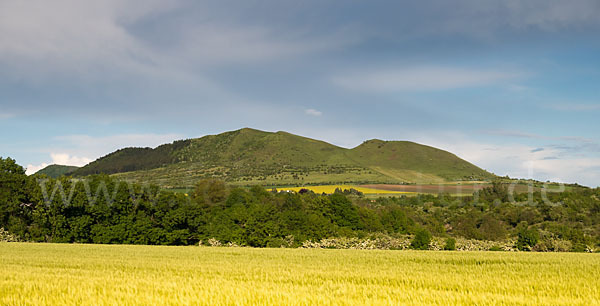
{"type": "Point", "coordinates": [512, 86]}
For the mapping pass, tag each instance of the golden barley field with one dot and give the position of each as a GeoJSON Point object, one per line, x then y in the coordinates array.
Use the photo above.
{"type": "Point", "coordinates": [63, 274]}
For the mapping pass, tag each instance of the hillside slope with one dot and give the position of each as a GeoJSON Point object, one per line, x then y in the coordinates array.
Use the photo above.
{"type": "Point", "coordinates": [249, 156]}
{"type": "Point", "coordinates": [55, 171]}
{"type": "Point", "coordinates": [404, 160]}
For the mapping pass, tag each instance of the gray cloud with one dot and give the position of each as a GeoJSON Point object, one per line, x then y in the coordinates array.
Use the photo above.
{"type": "Point", "coordinates": [552, 14]}
{"type": "Point", "coordinates": [102, 58]}
{"type": "Point", "coordinates": [422, 79]}
{"type": "Point", "coordinates": [485, 19]}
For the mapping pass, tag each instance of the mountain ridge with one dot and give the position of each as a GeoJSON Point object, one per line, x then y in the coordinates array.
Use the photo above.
{"type": "Point", "coordinates": [248, 156]}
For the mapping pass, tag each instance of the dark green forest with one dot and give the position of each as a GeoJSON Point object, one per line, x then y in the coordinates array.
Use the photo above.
{"type": "Point", "coordinates": [101, 209]}
{"type": "Point", "coordinates": [132, 159]}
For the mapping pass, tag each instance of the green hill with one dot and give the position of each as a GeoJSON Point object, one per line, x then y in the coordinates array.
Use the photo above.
{"type": "Point", "coordinates": [55, 171]}
{"type": "Point", "coordinates": [406, 161]}
{"type": "Point", "coordinates": [249, 156]}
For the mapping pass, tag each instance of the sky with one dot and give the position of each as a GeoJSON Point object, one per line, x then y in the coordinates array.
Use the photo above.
{"type": "Point", "coordinates": [511, 86]}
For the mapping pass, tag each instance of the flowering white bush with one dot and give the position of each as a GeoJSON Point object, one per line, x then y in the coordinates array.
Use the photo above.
{"type": "Point", "coordinates": [214, 242]}
{"type": "Point", "coordinates": [384, 242]}
{"type": "Point", "coordinates": [5, 236]}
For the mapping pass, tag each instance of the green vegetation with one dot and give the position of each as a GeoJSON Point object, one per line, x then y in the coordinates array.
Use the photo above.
{"type": "Point", "coordinates": [102, 209]}
{"type": "Point", "coordinates": [450, 244]}
{"type": "Point", "coordinates": [527, 238]}
{"type": "Point", "coordinates": [249, 157]}
{"type": "Point", "coordinates": [422, 240]}
{"type": "Point", "coordinates": [55, 171]}
{"type": "Point", "coordinates": [61, 274]}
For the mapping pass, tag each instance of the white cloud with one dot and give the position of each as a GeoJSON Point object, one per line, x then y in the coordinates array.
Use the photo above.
{"type": "Point", "coordinates": [520, 160]}
{"type": "Point", "coordinates": [313, 112]}
{"type": "Point", "coordinates": [422, 79]}
{"type": "Point", "coordinates": [68, 160]}
{"type": "Point", "coordinates": [574, 170]}
{"type": "Point", "coordinates": [59, 159]}
{"type": "Point", "coordinates": [32, 169]}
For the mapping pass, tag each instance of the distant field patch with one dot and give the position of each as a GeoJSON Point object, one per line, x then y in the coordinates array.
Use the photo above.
{"type": "Point", "coordinates": [430, 188]}
{"type": "Point", "coordinates": [372, 189]}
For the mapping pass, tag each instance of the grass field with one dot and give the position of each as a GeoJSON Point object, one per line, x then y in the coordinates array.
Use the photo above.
{"type": "Point", "coordinates": [118, 274]}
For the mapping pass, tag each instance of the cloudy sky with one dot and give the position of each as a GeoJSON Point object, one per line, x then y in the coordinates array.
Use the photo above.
{"type": "Point", "coordinates": [512, 86]}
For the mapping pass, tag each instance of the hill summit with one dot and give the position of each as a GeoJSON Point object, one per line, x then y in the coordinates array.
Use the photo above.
{"type": "Point", "coordinates": [249, 156]}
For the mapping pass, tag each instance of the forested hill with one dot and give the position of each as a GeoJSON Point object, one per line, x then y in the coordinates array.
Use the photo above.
{"type": "Point", "coordinates": [132, 159]}
{"type": "Point", "coordinates": [250, 155]}
{"type": "Point", "coordinates": [55, 171]}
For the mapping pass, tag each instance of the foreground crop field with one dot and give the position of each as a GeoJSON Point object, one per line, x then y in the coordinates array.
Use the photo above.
{"type": "Point", "coordinates": [118, 274]}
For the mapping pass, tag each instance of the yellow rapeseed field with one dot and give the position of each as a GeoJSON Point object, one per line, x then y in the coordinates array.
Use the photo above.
{"type": "Point", "coordinates": [63, 274]}
{"type": "Point", "coordinates": [331, 188]}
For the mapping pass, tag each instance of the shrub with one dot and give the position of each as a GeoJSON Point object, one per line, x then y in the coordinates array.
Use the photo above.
{"type": "Point", "coordinates": [496, 248]}
{"type": "Point", "coordinates": [214, 242]}
{"type": "Point", "coordinates": [527, 238]}
{"type": "Point", "coordinates": [579, 247]}
{"type": "Point", "coordinates": [421, 240]}
{"type": "Point", "coordinates": [450, 244]}
{"type": "Point", "coordinates": [5, 236]}
{"type": "Point", "coordinates": [552, 244]}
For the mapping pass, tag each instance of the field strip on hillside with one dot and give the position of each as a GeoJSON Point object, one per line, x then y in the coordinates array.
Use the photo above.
{"type": "Point", "coordinates": [67, 274]}
{"type": "Point", "coordinates": [331, 189]}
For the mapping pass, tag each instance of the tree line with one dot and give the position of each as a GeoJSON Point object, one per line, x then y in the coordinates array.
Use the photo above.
{"type": "Point", "coordinates": [101, 209]}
